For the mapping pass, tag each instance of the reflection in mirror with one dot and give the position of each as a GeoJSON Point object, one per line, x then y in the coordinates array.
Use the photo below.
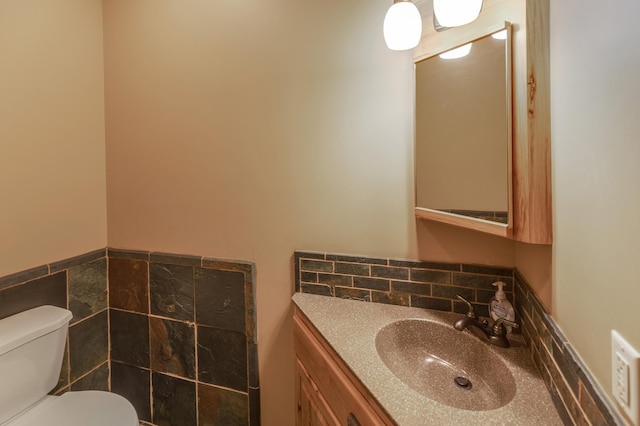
{"type": "Point", "coordinates": [463, 132]}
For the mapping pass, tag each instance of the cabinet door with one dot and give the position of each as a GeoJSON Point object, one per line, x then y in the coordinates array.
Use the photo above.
{"type": "Point", "coordinates": [313, 410]}
{"type": "Point", "coordinates": [339, 396]}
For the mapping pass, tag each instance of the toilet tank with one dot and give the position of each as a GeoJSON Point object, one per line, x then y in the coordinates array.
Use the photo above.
{"type": "Point", "coordinates": [31, 350]}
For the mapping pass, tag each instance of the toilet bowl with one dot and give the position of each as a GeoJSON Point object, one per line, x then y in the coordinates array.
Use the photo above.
{"type": "Point", "coordinates": [31, 350]}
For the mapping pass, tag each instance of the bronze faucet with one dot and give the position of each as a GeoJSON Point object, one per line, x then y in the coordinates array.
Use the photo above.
{"type": "Point", "coordinates": [496, 334]}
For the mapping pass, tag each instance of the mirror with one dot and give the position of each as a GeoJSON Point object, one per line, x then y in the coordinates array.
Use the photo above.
{"type": "Point", "coordinates": [463, 137]}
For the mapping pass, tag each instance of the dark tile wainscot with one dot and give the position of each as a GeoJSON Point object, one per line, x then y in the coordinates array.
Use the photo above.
{"type": "Point", "coordinates": [166, 318]}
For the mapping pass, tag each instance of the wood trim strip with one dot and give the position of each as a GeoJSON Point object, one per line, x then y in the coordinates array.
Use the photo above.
{"type": "Point", "coordinates": [489, 227]}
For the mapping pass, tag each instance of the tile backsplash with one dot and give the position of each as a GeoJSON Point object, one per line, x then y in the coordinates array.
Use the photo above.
{"type": "Point", "coordinates": [174, 334]}
{"type": "Point", "coordinates": [430, 285]}
{"type": "Point", "coordinates": [578, 398]}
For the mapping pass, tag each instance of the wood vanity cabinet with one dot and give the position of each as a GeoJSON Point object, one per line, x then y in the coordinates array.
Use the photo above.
{"type": "Point", "coordinates": [327, 392]}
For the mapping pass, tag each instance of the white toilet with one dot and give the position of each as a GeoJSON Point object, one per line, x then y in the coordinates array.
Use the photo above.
{"type": "Point", "coordinates": [31, 350]}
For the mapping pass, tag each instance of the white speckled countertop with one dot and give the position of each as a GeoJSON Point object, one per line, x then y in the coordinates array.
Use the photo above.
{"type": "Point", "coordinates": [350, 327]}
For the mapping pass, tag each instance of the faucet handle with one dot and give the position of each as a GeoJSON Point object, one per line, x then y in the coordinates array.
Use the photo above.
{"type": "Point", "coordinates": [498, 327]}
{"type": "Point", "coordinates": [470, 313]}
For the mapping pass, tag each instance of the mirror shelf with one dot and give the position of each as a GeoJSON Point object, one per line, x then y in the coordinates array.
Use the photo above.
{"type": "Point", "coordinates": [476, 224]}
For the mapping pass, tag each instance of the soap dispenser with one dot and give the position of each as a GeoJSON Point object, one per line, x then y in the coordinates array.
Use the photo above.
{"type": "Point", "coordinates": [499, 306]}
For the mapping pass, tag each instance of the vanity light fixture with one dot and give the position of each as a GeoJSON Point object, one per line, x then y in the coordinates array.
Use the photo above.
{"type": "Point", "coordinates": [402, 25]}
{"type": "Point", "coordinates": [458, 52]}
{"type": "Point", "coordinates": [454, 13]}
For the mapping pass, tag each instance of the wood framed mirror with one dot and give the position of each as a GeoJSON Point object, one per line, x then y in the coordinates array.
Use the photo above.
{"type": "Point", "coordinates": [464, 136]}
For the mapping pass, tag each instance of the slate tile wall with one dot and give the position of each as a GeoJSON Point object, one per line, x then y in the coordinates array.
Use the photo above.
{"type": "Point", "coordinates": [430, 285]}
{"type": "Point", "coordinates": [80, 285]}
{"type": "Point", "coordinates": [183, 338]}
{"type": "Point", "coordinates": [181, 331]}
{"type": "Point", "coordinates": [578, 398]}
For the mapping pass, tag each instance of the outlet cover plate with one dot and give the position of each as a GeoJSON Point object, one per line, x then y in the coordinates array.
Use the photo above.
{"type": "Point", "coordinates": [625, 376]}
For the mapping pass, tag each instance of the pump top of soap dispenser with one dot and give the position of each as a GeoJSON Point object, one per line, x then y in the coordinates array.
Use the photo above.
{"type": "Point", "coordinates": [500, 294]}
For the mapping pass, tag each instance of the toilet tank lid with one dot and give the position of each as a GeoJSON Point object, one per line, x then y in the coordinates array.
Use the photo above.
{"type": "Point", "coordinates": [20, 328]}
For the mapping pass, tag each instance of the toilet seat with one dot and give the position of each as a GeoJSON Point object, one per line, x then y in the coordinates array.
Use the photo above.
{"type": "Point", "coordinates": [84, 408]}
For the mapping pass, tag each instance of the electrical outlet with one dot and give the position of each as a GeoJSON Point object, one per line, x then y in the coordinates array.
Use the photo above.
{"type": "Point", "coordinates": [625, 376]}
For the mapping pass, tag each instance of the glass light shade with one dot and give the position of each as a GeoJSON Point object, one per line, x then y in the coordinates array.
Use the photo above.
{"type": "Point", "coordinates": [453, 13]}
{"type": "Point", "coordinates": [402, 26]}
{"type": "Point", "coordinates": [458, 52]}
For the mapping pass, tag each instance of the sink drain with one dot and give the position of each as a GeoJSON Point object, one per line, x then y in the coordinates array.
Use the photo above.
{"type": "Point", "coordinates": [462, 382]}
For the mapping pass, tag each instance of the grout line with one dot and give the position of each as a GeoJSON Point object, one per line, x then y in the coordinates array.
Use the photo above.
{"type": "Point", "coordinates": [87, 373]}
{"type": "Point", "coordinates": [196, 372]}
{"type": "Point", "coordinates": [108, 323]}
{"type": "Point", "coordinates": [148, 284]}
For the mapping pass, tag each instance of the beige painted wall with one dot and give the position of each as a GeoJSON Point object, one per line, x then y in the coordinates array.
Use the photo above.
{"type": "Point", "coordinates": [52, 156]}
{"type": "Point", "coordinates": [249, 129]}
{"type": "Point", "coordinates": [534, 262]}
{"type": "Point", "coordinates": [595, 100]}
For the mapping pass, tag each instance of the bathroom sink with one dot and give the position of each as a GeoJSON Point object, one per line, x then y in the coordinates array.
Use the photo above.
{"type": "Point", "coordinates": [445, 365]}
